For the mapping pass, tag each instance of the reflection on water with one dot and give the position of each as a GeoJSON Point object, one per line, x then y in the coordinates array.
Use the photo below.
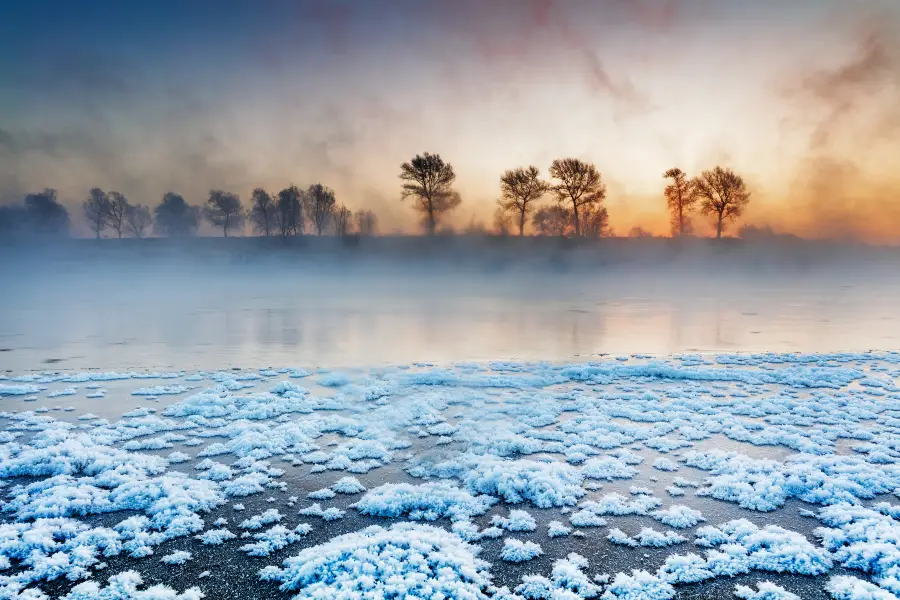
{"type": "Point", "coordinates": [197, 321]}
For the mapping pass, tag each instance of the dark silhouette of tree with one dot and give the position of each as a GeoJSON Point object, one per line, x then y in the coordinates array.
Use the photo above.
{"type": "Point", "coordinates": [723, 196]}
{"type": "Point", "coordinates": [44, 215]}
{"type": "Point", "coordinates": [519, 190]}
{"type": "Point", "coordinates": [174, 217]}
{"type": "Point", "coordinates": [289, 213]}
{"type": "Point", "coordinates": [429, 181]}
{"type": "Point", "coordinates": [681, 195]}
{"type": "Point", "coordinates": [366, 223]}
{"type": "Point", "coordinates": [343, 223]}
{"type": "Point", "coordinates": [224, 209]}
{"type": "Point", "coordinates": [551, 220]}
{"type": "Point", "coordinates": [639, 232]}
{"type": "Point", "coordinates": [503, 222]}
{"type": "Point", "coordinates": [96, 210]}
{"type": "Point", "coordinates": [138, 220]}
{"type": "Point", "coordinates": [320, 206]}
{"type": "Point", "coordinates": [262, 212]}
{"type": "Point", "coordinates": [595, 221]}
{"type": "Point", "coordinates": [117, 210]}
{"type": "Point", "coordinates": [580, 185]}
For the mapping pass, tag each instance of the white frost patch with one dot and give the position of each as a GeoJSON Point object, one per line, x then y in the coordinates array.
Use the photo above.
{"type": "Point", "coordinates": [179, 557]}
{"type": "Point", "coordinates": [557, 529]}
{"type": "Point", "coordinates": [567, 582]}
{"type": "Point", "coordinates": [160, 390]}
{"type": "Point", "coordinates": [640, 585]}
{"type": "Point", "coordinates": [348, 485]}
{"type": "Point", "coordinates": [608, 468]}
{"type": "Point", "coordinates": [543, 484]}
{"type": "Point", "coordinates": [679, 516]}
{"type": "Point", "coordinates": [428, 501]}
{"type": "Point", "coordinates": [766, 590]}
{"type": "Point", "coordinates": [265, 518]}
{"type": "Point", "coordinates": [215, 537]}
{"type": "Point", "coordinates": [275, 538]}
{"type": "Point", "coordinates": [423, 561]}
{"type": "Point", "coordinates": [519, 551]}
{"type": "Point", "coordinates": [851, 588]}
{"type": "Point", "coordinates": [125, 586]}
{"type": "Point", "coordinates": [518, 520]}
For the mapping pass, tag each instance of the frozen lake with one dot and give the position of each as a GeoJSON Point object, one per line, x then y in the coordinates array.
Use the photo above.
{"type": "Point", "coordinates": [209, 319]}
{"type": "Point", "coordinates": [253, 432]}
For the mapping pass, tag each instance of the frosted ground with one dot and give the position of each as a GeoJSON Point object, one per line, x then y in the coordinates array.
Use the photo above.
{"type": "Point", "coordinates": [768, 476]}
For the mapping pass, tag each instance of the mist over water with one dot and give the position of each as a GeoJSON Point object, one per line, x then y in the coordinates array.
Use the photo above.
{"type": "Point", "coordinates": [189, 309]}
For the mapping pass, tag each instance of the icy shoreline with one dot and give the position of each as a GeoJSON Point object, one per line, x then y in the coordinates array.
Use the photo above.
{"type": "Point", "coordinates": [622, 478]}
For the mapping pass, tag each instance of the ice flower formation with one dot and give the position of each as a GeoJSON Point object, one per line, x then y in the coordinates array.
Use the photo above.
{"type": "Point", "coordinates": [426, 481]}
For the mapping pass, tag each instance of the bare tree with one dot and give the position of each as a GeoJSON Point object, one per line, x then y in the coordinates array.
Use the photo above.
{"type": "Point", "coordinates": [519, 190]}
{"type": "Point", "coordinates": [366, 223]}
{"type": "Point", "coordinates": [552, 220]}
{"type": "Point", "coordinates": [320, 205]}
{"type": "Point", "coordinates": [595, 221]}
{"type": "Point", "coordinates": [342, 221]}
{"type": "Point", "coordinates": [723, 196]}
{"type": "Point", "coordinates": [117, 210]}
{"type": "Point", "coordinates": [289, 211]}
{"type": "Point", "coordinates": [681, 195]}
{"type": "Point", "coordinates": [429, 180]}
{"type": "Point", "coordinates": [503, 222]}
{"type": "Point", "coordinates": [173, 217]}
{"type": "Point", "coordinates": [138, 220]}
{"type": "Point", "coordinates": [96, 210]}
{"type": "Point", "coordinates": [262, 212]}
{"type": "Point", "coordinates": [580, 185]}
{"type": "Point", "coordinates": [639, 232]}
{"type": "Point", "coordinates": [224, 209]}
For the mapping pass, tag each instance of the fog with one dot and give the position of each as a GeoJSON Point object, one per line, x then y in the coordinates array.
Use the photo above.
{"type": "Point", "coordinates": [212, 303]}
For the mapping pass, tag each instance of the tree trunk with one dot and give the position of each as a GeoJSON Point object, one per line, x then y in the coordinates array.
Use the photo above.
{"type": "Point", "coordinates": [522, 224]}
{"type": "Point", "coordinates": [719, 228]}
{"type": "Point", "coordinates": [575, 217]}
{"type": "Point", "coordinates": [432, 226]}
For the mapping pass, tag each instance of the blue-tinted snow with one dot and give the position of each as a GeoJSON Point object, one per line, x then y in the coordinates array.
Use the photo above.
{"type": "Point", "coordinates": [615, 451]}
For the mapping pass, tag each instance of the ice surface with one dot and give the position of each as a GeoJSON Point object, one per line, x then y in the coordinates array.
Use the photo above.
{"type": "Point", "coordinates": [583, 453]}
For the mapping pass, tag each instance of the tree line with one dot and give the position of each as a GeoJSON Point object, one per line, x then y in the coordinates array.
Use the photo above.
{"type": "Point", "coordinates": [575, 190]}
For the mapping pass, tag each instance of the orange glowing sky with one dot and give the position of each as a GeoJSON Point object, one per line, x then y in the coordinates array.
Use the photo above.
{"type": "Point", "coordinates": [801, 97]}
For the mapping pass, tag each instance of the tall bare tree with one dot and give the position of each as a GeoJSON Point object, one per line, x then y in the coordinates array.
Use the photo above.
{"type": "Point", "coordinates": [224, 209]}
{"type": "Point", "coordinates": [519, 190]}
{"type": "Point", "coordinates": [96, 210]}
{"type": "Point", "coordinates": [594, 221]}
{"type": "Point", "coordinates": [552, 220]}
{"type": "Point", "coordinates": [138, 220]}
{"type": "Point", "coordinates": [366, 223]}
{"type": "Point", "coordinates": [580, 185]}
{"type": "Point", "coordinates": [502, 222]}
{"type": "Point", "coordinates": [117, 210]}
{"type": "Point", "coordinates": [429, 180]}
{"type": "Point", "coordinates": [681, 196]}
{"type": "Point", "coordinates": [320, 205]}
{"type": "Point", "coordinates": [262, 212]}
{"type": "Point", "coordinates": [342, 221]}
{"type": "Point", "coordinates": [289, 211]}
{"type": "Point", "coordinates": [723, 196]}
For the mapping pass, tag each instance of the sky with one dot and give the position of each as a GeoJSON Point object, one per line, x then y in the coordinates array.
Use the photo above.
{"type": "Point", "coordinates": [802, 98]}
